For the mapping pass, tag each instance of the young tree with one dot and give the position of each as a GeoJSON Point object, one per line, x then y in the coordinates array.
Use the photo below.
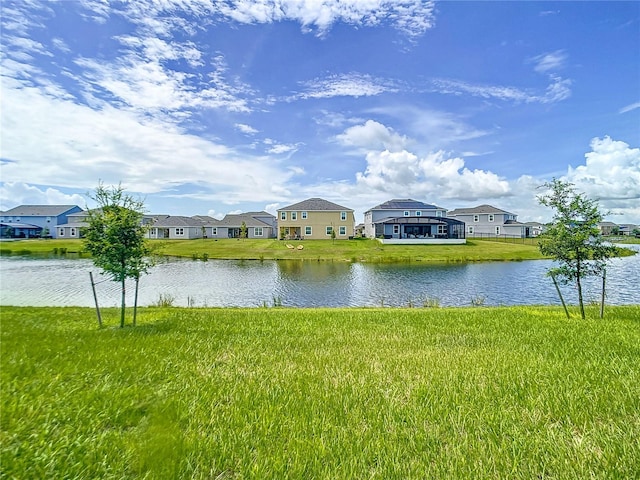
{"type": "Point", "coordinates": [243, 230]}
{"type": "Point", "coordinates": [573, 238]}
{"type": "Point", "coordinates": [115, 237]}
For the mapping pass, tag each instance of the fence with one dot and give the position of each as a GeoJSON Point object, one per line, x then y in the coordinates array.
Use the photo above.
{"type": "Point", "coordinates": [503, 238]}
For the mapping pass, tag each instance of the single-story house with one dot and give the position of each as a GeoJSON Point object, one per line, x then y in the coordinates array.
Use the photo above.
{"type": "Point", "coordinates": [174, 227]}
{"type": "Point", "coordinates": [258, 225]}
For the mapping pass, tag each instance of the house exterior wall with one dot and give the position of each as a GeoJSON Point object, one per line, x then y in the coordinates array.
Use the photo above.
{"type": "Point", "coordinates": [314, 226]}
{"type": "Point", "coordinates": [374, 215]}
{"type": "Point", "coordinates": [45, 222]}
{"type": "Point", "coordinates": [174, 233]}
{"type": "Point", "coordinates": [491, 224]}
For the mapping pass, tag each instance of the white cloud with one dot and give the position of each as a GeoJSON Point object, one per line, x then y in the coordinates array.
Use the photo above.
{"type": "Point", "coordinates": [13, 194]}
{"type": "Point", "coordinates": [246, 129]}
{"type": "Point", "coordinates": [372, 136]}
{"type": "Point", "coordinates": [402, 172]}
{"type": "Point", "coordinates": [552, 61]}
{"type": "Point", "coordinates": [630, 107]}
{"type": "Point", "coordinates": [348, 85]}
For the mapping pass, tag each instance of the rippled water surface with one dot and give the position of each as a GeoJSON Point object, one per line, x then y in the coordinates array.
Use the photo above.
{"type": "Point", "coordinates": [65, 282]}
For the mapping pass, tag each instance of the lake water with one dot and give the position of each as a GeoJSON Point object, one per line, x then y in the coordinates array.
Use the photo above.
{"type": "Point", "coordinates": [32, 281]}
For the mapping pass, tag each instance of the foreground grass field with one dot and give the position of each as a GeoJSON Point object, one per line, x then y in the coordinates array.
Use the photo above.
{"type": "Point", "coordinates": [320, 394]}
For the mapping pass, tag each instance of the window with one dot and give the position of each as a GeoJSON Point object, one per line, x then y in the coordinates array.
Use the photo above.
{"type": "Point", "coordinates": [438, 213]}
{"type": "Point", "coordinates": [257, 232]}
{"type": "Point", "coordinates": [294, 215]}
{"type": "Point", "coordinates": [497, 230]}
{"type": "Point", "coordinates": [307, 230]}
{"type": "Point", "coordinates": [470, 229]}
{"type": "Point", "coordinates": [343, 215]}
{"type": "Point", "coordinates": [396, 229]}
{"type": "Point", "coordinates": [73, 232]}
{"type": "Point", "coordinates": [342, 231]}
{"type": "Point", "coordinates": [153, 232]}
{"type": "Point", "coordinates": [329, 230]}
{"type": "Point", "coordinates": [303, 215]}
{"type": "Point", "coordinates": [179, 232]}
{"type": "Point", "coordinates": [283, 215]}
{"type": "Point", "coordinates": [442, 229]}
{"type": "Point", "coordinates": [406, 213]}
{"type": "Point", "coordinates": [476, 218]}
{"type": "Point", "coordinates": [214, 231]}
{"type": "Point", "coordinates": [491, 217]}
{"type": "Point", "coordinates": [418, 213]}
{"type": "Point", "coordinates": [61, 234]}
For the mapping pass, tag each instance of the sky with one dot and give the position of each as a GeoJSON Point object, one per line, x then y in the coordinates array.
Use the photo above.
{"type": "Point", "coordinates": [209, 107]}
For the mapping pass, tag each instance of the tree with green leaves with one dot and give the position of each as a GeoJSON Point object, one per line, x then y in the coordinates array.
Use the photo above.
{"type": "Point", "coordinates": [573, 238]}
{"type": "Point", "coordinates": [115, 238]}
{"type": "Point", "coordinates": [243, 230]}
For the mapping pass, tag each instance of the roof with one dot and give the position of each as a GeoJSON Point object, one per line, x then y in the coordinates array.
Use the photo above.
{"type": "Point", "coordinates": [19, 225]}
{"type": "Point", "coordinates": [405, 204]}
{"type": "Point", "coordinates": [175, 221]}
{"type": "Point", "coordinates": [38, 210]}
{"type": "Point", "coordinates": [477, 210]}
{"type": "Point", "coordinates": [249, 219]}
{"type": "Point", "coordinates": [316, 204]}
{"type": "Point", "coordinates": [419, 220]}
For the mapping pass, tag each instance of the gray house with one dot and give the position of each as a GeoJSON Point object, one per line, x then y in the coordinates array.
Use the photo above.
{"type": "Point", "coordinates": [27, 221]}
{"type": "Point", "coordinates": [258, 224]}
{"type": "Point", "coordinates": [489, 221]}
{"type": "Point", "coordinates": [174, 227]}
{"type": "Point", "coordinates": [410, 221]}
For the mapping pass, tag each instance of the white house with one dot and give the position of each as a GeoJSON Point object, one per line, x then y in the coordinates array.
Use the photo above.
{"type": "Point", "coordinates": [489, 221]}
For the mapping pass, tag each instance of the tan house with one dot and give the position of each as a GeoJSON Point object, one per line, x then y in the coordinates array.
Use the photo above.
{"type": "Point", "coordinates": [314, 219]}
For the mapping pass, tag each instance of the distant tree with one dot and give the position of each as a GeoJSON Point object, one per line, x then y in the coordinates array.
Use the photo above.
{"type": "Point", "coordinates": [573, 238]}
{"type": "Point", "coordinates": [333, 235]}
{"type": "Point", "coordinates": [243, 230]}
{"type": "Point", "coordinates": [615, 230]}
{"type": "Point", "coordinates": [636, 231]}
{"type": "Point", "coordinates": [115, 237]}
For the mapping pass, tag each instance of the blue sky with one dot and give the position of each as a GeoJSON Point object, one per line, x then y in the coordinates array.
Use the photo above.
{"type": "Point", "coordinates": [215, 107]}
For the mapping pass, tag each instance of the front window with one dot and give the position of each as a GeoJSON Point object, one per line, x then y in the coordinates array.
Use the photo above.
{"type": "Point", "coordinates": [73, 232]}
{"type": "Point", "coordinates": [491, 217]}
{"type": "Point", "coordinates": [283, 215]}
{"type": "Point", "coordinates": [61, 232]}
{"type": "Point", "coordinates": [438, 213]}
{"type": "Point", "coordinates": [257, 232]}
{"type": "Point", "coordinates": [497, 230]}
{"type": "Point", "coordinates": [307, 230]}
{"type": "Point", "coordinates": [396, 229]}
{"type": "Point", "coordinates": [476, 218]}
{"type": "Point", "coordinates": [214, 231]}
{"type": "Point", "coordinates": [343, 215]}
{"type": "Point", "coordinates": [294, 215]}
{"type": "Point", "coordinates": [406, 213]}
{"type": "Point", "coordinates": [329, 230]}
{"type": "Point", "coordinates": [343, 230]}
{"type": "Point", "coordinates": [418, 213]}
{"type": "Point", "coordinates": [179, 232]}
{"type": "Point", "coordinates": [470, 229]}
{"type": "Point", "coordinates": [304, 215]}
{"type": "Point", "coordinates": [153, 232]}
{"type": "Point", "coordinates": [442, 229]}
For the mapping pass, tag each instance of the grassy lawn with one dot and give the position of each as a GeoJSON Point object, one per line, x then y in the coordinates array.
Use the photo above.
{"type": "Point", "coordinates": [340, 250]}
{"type": "Point", "coordinates": [487, 393]}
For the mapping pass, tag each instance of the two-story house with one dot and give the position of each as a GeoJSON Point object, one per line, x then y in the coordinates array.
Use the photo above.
{"type": "Point", "coordinates": [411, 221]}
{"type": "Point", "coordinates": [489, 221]}
{"type": "Point", "coordinates": [27, 221]}
{"type": "Point", "coordinates": [315, 218]}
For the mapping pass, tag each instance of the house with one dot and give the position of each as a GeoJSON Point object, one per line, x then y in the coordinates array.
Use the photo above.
{"type": "Point", "coordinates": [315, 218]}
{"type": "Point", "coordinates": [628, 228]}
{"type": "Point", "coordinates": [258, 224]}
{"type": "Point", "coordinates": [489, 221]}
{"type": "Point", "coordinates": [608, 228]}
{"type": "Point", "coordinates": [27, 221]}
{"type": "Point", "coordinates": [174, 227]}
{"type": "Point", "coordinates": [533, 229]}
{"type": "Point", "coordinates": [408, 221]}
{"type": "Point", "coordinates": [74, 225]}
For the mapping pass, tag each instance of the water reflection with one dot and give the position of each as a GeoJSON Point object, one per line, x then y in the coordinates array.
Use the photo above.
{"type": "Point", "coordinates": [65, 282]}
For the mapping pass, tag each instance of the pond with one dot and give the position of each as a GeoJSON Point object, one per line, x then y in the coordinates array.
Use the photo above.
{"type": "Point", "coordinates": [32, 281]}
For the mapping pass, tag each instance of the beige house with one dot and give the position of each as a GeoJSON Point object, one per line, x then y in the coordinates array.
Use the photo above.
{"type": "Point", "coordinates": [314, 219]}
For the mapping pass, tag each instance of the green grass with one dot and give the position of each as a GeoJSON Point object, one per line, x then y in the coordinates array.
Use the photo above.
{"type": "Point", "coordinates": [276, 393]}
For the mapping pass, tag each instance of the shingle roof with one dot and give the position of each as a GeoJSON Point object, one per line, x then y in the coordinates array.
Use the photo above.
{"type": "Point", "coordinates": [176, 221]}
{"type": "Point", "coordinates": [405, 204]}
{"type": "Point", "coordinates": [476, 210]}
{"type": "Point", "coordinates": [316, 204]}
{"type": "Point", "coordinates": [38, 210]}
{"type": "Point", "coordinates": [249, 219]}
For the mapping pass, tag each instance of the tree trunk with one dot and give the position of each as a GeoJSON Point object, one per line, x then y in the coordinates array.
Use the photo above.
{"type": "Point", "coordinates": [135, 302]}
{"type": "Point", "coordinates": [95, 297]}
{"type": "Point", "coordinates": [579, 285]}
{"type": "Point", "coordinates": [123, 304]}
{"type": "Point", "coordinates": [604, 280]}
{"type": "Point", "coordinates": [564, 305]}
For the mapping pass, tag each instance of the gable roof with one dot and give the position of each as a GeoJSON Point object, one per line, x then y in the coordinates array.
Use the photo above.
{"type": "Point", "coordinates": [405, 204]}
{"type": "Point", "coordinates": [316, 204]}
{"type": "Point", "coordinates": [39, 210]}
{"type": "Point", "coordinates": [477, 210]}
{"type": "Point", "coordinates": [250, 219]}
{"type": "Point", "coordinates": [175, 221]}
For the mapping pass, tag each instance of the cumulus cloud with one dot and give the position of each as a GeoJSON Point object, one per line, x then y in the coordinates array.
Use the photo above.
{"type": "Point", "coordinates": [246, 129]}
{"type": "Point", "coordinates": [397, 172]}
{"type": "Point", "coordinates": [13, 194]}
{"type": "Point", "coordinates": [372, 136]}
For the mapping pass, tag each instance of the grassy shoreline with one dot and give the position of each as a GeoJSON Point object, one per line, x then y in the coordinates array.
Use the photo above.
{"type": "Point", "coordinates": [510, 392]}
{"type": "Point", "coordinates": [359, 250]}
